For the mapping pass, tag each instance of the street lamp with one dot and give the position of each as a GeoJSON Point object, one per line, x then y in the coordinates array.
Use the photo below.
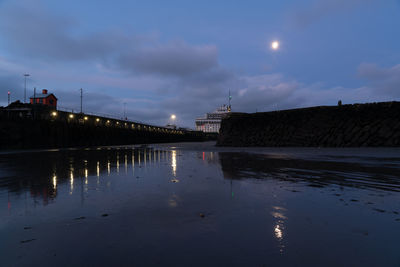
{"type": "Point", "coordinates": [25, 75]}
{"type": "Point", "coordinates": [173, 117]}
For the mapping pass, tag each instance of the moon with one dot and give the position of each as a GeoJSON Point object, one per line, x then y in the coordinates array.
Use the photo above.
{"type": "Point", "coordinates": [275, 45]}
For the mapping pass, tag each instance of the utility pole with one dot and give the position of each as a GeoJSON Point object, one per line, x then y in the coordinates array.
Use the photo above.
{"type": "Point", "coordinates": [25, 75]}
{"type": "Point", "coordinates": [9, 94]}
{"type": "Point", "coordinates": [81, 98]}
{"type": "Point", "coordinates": [125, 111]}
{"type": "Point", "coordinates": [34, 103]}
{"type": "Point", "coordinates": [230, 97]}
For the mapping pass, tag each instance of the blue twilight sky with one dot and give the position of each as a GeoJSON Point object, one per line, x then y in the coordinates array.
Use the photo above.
{"type": "Point", "coordinates": [183, 57]}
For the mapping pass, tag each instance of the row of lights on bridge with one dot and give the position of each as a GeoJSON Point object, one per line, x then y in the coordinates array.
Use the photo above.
{"type": "Point", "coordinates": [71, 116]}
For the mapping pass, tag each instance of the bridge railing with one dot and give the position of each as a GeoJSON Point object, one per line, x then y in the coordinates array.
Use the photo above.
{"type": "Point", "coordinates": [109, 120]}
{"type": "Point", "coordinates": [100, 114]}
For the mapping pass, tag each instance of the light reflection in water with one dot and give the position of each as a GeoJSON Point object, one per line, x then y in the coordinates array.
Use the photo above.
{"type": "Point", "coordinates": [86, 172]}
{"type": "Point", "coordinates": [279, 228]}
{"type": "Point", "coordinates": [173, 163]}
{"type": "Point", "coordinates": [71, 181]}
{"type": "Point", "coordinates": [278, 232]}
{"type": "Point", "coordinates": [126, 164]}
{"type": "Point", "coordinates": [117, 163]}
{"type": "Point", "coordinates": [86, 176]}
{"type": "Point", "coordinates": [98, 172]}
{"type": "Point", "coordinates": [54, 181]}
{"type": "Point", "coordinates": [173, 201]}
{"type": "Point", "coordinates": [150, 156]}
{"type": "Point", "coordinates": [133, 163]}
{"type": "Point", "coordinates": [102, 166]}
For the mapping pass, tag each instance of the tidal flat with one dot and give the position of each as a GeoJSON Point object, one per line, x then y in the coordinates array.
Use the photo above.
{"type": "Point", "coordinates": [194, 204]}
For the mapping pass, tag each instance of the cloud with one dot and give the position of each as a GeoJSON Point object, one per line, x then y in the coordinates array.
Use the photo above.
{"type": "Point", "coordinates": [275, 92]}
{"type": "Point", "coordinates": [308, 15]}
{"type": "Point", "coordinates": [264, 92]}
{"type": "Point", "coordinates": [384, 81]}
{"type": "Point", "coordinates": [44, 36]}
{"type": "Point", "coordinates": [174, 58]}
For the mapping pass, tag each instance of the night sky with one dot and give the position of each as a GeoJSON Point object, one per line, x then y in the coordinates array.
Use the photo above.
{"type": "Point", "coordinates": [183, 57]}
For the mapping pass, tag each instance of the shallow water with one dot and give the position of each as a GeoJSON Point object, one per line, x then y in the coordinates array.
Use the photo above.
{"type": "Point", "coordinates": [198, 205]}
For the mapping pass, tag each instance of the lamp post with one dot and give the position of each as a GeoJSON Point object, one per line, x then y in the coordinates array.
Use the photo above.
{"type": "Point", "coordinates": [25, 75]}
{"type": "Point", "coordinates": [81, 98]}
{"type": "Point", "coordinates": [125, 118]}
{"type": "Point", "coordinates": [8, 97]}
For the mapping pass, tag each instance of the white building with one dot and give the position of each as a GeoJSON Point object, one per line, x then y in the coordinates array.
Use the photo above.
{"type": "Point", "coordinates": [212, 121]}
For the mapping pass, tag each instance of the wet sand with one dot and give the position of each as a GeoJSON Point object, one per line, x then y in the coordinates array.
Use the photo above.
{"type": "Point", "coordinates": [194, 204]}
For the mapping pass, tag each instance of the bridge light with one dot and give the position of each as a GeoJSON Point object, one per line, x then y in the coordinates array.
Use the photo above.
{"type": "Point", "coordinates": [54, 114]}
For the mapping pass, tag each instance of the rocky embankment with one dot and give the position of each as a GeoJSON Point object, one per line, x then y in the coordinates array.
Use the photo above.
{"type": "Point", "coordinates": [374, 124]}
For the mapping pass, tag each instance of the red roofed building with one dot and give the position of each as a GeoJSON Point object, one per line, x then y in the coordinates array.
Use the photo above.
{"type": "Point", "coordinates": [44, 98]}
